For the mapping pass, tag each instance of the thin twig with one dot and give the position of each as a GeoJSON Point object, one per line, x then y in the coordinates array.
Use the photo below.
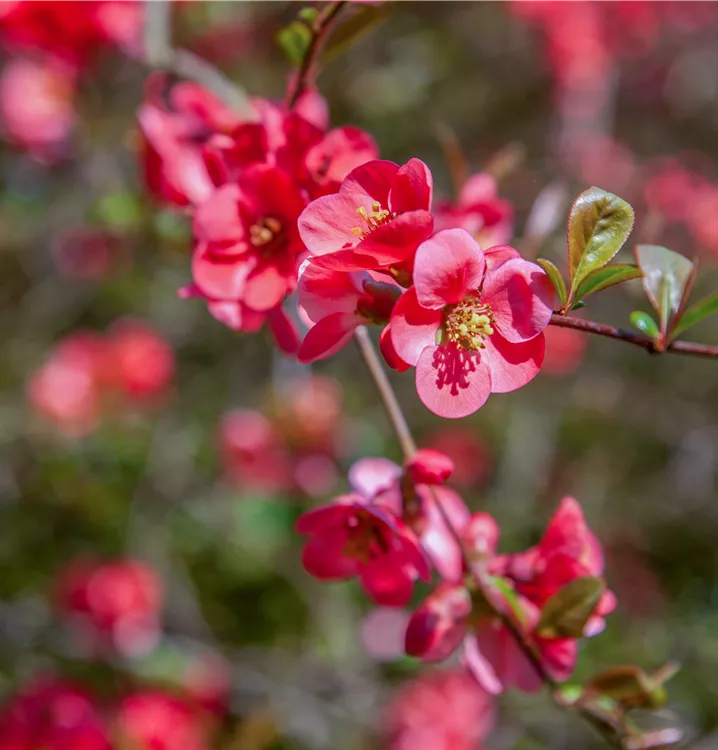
{"type": "Point", "coordinates": [159, 53]}
{"type": "Point", "coordinates": [398, 421]}
{"type": "Point", "coordinates": [319, 29]}
{"type": "Point", "coordinates": [637, 339]}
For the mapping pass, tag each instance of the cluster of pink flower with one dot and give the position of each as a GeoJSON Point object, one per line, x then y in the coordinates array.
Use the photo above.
{"type": "Point", "coordinates": [87, 374]}
{"type": "Point", "coordinates": [295, 448]}
{"type": "Point", "coordinates": [115, 607]}
{"type": "Point", "coordinates": [58, 715]}
{"type": "Point", "coordinates": [399, 522]}
{"type": "Point", "coordinates": [56, 41]}
{"type": "Point", "coordinates": [269, 194]}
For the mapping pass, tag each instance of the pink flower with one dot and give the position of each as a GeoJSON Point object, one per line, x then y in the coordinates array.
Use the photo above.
{"type": "Point", "coordinates": [117, 604]}
{"type": "Point", "coordinates": [479, 210]}
{"type": "Point", "coordinates": [53, 715]}
{"type": "Point", "coordinates": [355, 537]}
{"type": "Point", "coordinates": [470, 329]}
{"type": "Point", "coordinates": [377, 219]}
{"type": "Point", "coordinates": [153, 720]}
{"type": "Point", "coordinates": [140, 361]}
{"type": "Point", "coordinates": [336, 302]}
{"type": "Point", "coordinates": [439, 710]}
{"type": "Point", "coordinates": [565, 350]}
{"type": "Point", "coordinates": [174, 164]}
{"type": "Point", "coordinates": [247, 240]}
{"type": "Point", "coordinates": [37, 106]}
{"type": "Point", "coordinates": [382, 481]}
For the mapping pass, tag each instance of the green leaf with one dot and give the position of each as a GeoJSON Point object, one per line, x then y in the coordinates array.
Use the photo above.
{"type": "Point", "coordinates": [598, 226]}
{"type": "Point", "coordinates": [666, 276]}
{"type": "Point", "coordinates": [566, 613]}
{"type": "Point", "coordinates": [578, 305]}
{"type": "Point", "coordinates": [556, 279]}
{"type": "Point", "coordinates": [294, 41]}
{"type": "Point", "coordinates": [605, 277]}
{"type": "Point", "coordinates": [308, 15]}
{"type": "Point", "coordinates": [645, 324]}
{"type": "Point", "coordinates": [696, 313]}
{"type": "Point", "coordinates": [630, 686]}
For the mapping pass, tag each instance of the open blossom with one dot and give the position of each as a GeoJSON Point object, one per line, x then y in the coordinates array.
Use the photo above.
{"type": "Point", "coordinates": [447, 620]}
{"type": "Point", "coordinates": [438, 710]}
{"type": "Point", "coordinates": [247, 239]}
{"type": "Point", "coordinates": [116, 604]}
{"type": "Point", "coordinates": [480, 211]}
{"type": "Point", "coordinates": [363, 535]}
{"type": "Point", "coordinates": [37, 106]}
{"type": "Point", "coordinates": [336, 302]}
{"type": "Point", "coordinates": [53, 715]}
{"type": "Point", "coordinates": [470, 328]}
{"type": "Point", "coordinates": [377, 219]}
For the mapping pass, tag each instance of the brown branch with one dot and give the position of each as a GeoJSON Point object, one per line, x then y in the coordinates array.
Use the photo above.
{"type": "Point", "coordinates": [637, 339]}
{"type": "Point", "coordinates": [396, 417]}
{"type": "Point", "coordinates": [159, 53]}
{"type": "Point", "coordinates": [319, 29]}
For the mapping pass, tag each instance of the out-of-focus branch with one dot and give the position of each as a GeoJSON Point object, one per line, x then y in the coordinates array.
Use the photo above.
{"type": "Point", "coordinates": [637, 339]}
{"type": "Point", "coordinates": [159, 53]}
{"type": "Point", "coordinates": [612, 734]}
{"type": "Point", "coordinates": [319, 29]}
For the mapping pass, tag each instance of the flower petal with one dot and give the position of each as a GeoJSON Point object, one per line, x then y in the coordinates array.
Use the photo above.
{"type": "Point", "coordinates": [395, 241]}
{"type": "Point", "coordinates": [447, 267]}
{"type": "Point", "coordinates": [323, 556]}
{"type": "Point", "coordinates": [512, 365]}
{"type": "Point", "coordinates": [372, 180]}
{"type": "Point", "coordinates": [284, 330]}
{"type": "Point", "coordinates": [521, 299]}
{"type": "Point", "coordinates": [265, 288]}
{"type": "Point", "coordinates": [386, 581]}
{"type": "Point", "coordinates": [480, 668]}
{"type": "Point", "coordinates": [217, 219]}
{"type": "Point", "coordinates": [328, 336]}
{"type": "Point", "coordinates": [412, 188]}
{"type": "Point", "coordinates": [386, 346]}
{"type": "Point", "coordinates": [369, 476]}
{"type": "Point", "coordinates": [413, 327]}
{"type": "Point", "coordinates": [451, 382]}
{"type": "Point", "coordinates": [323, 291]}
{"type": "Point", "coordinates": [326, 224]}
{"type": "Point", "coordinates": [220, 280]}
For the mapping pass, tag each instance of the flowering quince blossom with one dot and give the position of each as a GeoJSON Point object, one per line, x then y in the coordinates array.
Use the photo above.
{"type": "Point", "coordinates": [376, 221]}
{"type": "Point", "coordinates": [449, 617]}
{"type": "Point", "coordinates": [161, 721]}
{"type": "Point", "coordinates": [470, 328]}
{"type": "Point", "coordinates": [334, 303]}
{"type": "Point", "coordinates": [363, 535]}
{"type": "Point", "coordinates": [117, 603]}
{"type": "Point", "coordinates": [478, 210]}
{"type": "Point", "coordinates": [439, 710]}
{"type": "Point", "coordinates": [53, 715]}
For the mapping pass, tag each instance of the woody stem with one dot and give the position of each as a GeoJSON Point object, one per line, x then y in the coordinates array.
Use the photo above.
{"type": "Point", "coordinates": [408, 446]}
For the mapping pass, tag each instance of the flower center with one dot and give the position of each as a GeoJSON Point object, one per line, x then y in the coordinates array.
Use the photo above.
{"type": "Point", "coordinates": [264, 231]}
{"type": "Point", "coordinates": [468, 323]}
{"type": "Point", "coordinates": [376, 218]}
{"type": "Point", "coordinates": [366, 540]}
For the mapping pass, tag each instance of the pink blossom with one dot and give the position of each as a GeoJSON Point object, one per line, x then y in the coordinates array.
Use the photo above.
{"type": "Point", "coordinates": [247, 240]}
{"type": "Point", "coordinates": [429, 466]}
{"type": "Point", "coordinates": [377, 219]}
{"type": "Point", "coordinates": [470, 330]}
{"type": "Point", "coordinates": [354, 537]}
{"type": "Point", "coordinates": [116, 604]}
{"type": "Point", "coordinates": [154, 720]}
{"type": "Point", "coordinates": [336, 303]}
{"type": "Point", "coordinates": [53, 715]}
{"type": "Point", "coordinates": [439, 710]}
{"type": "Point", "coordinates": [480, 211]}
{"type": "Point", "coordinates": [37, 107]}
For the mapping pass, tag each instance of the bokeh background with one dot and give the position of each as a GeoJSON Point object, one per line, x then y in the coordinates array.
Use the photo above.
{"type": "Point", "coordinates": [184, 472]}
